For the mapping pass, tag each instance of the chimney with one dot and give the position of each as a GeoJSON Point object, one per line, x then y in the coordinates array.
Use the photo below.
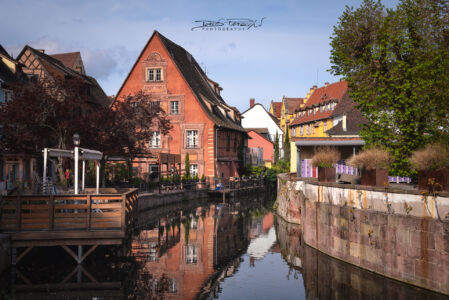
{"type": "Point", "coordinates": [344, 122]}
{"type": "Point", "coordinates": [326, 83]}
{"type": "Point", "coordinates": [251, 102]}
{"type": "Point", "coordinates": [41, 50]}
{"type": "Point", "coordinates": [314, 86]}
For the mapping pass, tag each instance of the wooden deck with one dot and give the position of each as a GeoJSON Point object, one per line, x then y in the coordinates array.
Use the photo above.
{"type": "Point", "coordinates": [66, 220]}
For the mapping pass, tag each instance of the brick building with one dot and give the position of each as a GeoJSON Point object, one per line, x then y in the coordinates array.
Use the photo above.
{"type": "Point", "coordinates": [203, 124]}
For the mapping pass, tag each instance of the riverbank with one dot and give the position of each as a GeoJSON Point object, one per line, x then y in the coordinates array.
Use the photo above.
{"type": "Point", "coordinates": [400, 234]}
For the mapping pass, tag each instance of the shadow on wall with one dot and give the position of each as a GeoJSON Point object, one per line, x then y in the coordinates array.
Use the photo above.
{"type": "Point", "coordinates": [328, 278]}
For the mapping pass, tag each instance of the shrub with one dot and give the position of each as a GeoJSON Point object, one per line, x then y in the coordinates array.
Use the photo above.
{"type": "Point", "coordinates": [370, 159]}
{"type": "Point", "coordinates": [325, 157]}
{"type": "Point", "coordinates": [203, 177]}
{"type": "Point", "coordinates": [432, 157]}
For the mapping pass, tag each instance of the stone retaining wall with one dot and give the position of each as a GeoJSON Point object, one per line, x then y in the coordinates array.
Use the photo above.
{"type": "Point", "coordinates": [401, 235]}
{"type": "Point", "coordinates": [148, 201]}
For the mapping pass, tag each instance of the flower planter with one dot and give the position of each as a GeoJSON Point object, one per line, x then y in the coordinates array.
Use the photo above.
{"type": "Point", "coordinates": [441, 176]}
{"type": "Point", "coordinates": [326, 174]}
{"type": "Point", "coordinates": [375, 177]}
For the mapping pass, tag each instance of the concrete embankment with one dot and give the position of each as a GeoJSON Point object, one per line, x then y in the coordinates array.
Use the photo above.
{"type": "Point", "coordinates": [153, 200]}
{"type": "Point", "coordinates": [400, 234]}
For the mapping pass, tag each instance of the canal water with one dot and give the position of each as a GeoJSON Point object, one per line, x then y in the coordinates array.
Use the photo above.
{"type": "Point", "coordinates": [208, 250]}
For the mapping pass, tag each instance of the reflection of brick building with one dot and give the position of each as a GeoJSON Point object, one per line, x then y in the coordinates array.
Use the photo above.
{"type": "Point", "coordinates": [180, 260]}
{"type": "Point", "coordinates": [203, 124]}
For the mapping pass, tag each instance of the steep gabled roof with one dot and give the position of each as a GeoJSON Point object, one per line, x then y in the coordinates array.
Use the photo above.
{"type": "Point", "coordinates": [8, 76]}
{"type": "Point", "coordinates": [292, 104]}
{"type": "Point", "coordinates": [354, 118]}
{"type": "Point", "coordinates": [68, 59]}
{"type": "Point", "coordinates": [198, 82]}
{"type": "Point", "coordinates": [277, 106]}
{"type": "Point", "coordinates": [214, 106]}
{"type": "Point", "coordinates": [322, 95]}
{"type": "Point", "coordinates": [57, 68]}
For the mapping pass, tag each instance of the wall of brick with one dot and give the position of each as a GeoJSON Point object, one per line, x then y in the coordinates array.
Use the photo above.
{"type": "Point", "coordinates": [404, 236]}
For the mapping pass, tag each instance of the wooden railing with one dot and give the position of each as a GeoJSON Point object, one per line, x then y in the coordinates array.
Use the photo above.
{"type": "Point", "coordinates": [68, 212]}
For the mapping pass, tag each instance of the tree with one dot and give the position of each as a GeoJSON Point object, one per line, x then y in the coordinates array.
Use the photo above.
{"type": "Point", "coordinates": [276, 148]}
{"type": "Point", "coordinates": [287, 147]}
{"type": "Point", "coordinates": [187, 166]}
{"type": "Point", "coordinates": [396, 63]}
{"type": "Point", "coordinates": [47, 114]}
{"type": "Point", "coordinates": [125, 128]}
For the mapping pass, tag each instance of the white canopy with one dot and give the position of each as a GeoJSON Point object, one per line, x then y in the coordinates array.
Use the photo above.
{"type": "Point", "coordinates": [77, 154]}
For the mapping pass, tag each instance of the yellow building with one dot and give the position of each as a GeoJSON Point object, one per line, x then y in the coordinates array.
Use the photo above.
{"type": "Point", "coordinates": [317, 116]}
{"type": "Point", "coordinates": [275, 109]}
{"type": "Point", "coordinates": [288, 110]}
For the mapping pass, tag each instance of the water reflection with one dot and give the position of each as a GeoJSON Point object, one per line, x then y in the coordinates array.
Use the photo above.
{"type": "Point", "coordinates": [205, 251]}
{"type": "Point", "coordinates": [183, 250]}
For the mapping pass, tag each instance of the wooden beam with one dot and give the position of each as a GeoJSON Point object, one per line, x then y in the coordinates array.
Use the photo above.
{"type": "Point", "coordinates": [69, 251]}
{"type": "Point", "coordinates": [92, 279]}
{"type": "Point", "coordinates": [23, 254]}
{"type": "Point", "coordinates": [92, 248]}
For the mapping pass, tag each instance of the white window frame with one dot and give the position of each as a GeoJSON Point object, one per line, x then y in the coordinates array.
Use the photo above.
{"type": "Point", "coordinates": [191, 254]}
{"type": "Point", "coordinates": [301, 130]}
{"type": "Point", "coordinates": [174, 107]}
{"type": "Point", "coordinates": [154, 74]}
{"type": "Point", "coordinates": [155, 140]}
{"type": "Point", "coordinates": [193, 170]}
{"type": "Point", "coordinates": [192, 138]}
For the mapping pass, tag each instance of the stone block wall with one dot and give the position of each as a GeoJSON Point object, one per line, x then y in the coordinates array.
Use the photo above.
{"type": "Point", "coordinates": [404, 236]}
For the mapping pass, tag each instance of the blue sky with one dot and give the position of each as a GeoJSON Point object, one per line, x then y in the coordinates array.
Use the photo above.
{"type": "Point", "coordinates": [287, 55]}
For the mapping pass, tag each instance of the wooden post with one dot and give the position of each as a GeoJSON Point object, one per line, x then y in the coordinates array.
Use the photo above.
{"type": "Point", "coordinates": [52, 212]}
{"type": "Point", "coordinates": [123, 212]}
{"type": "Point", "coordinates": [97, 174]}
{"type": "Point", "coordinates": [89, 212]}
{"type": "Point", "coordinates": [76, 170]}
{"type": "Point", "coordinates": [19, 213]}
{"type": "Point", "coordinates": [83, 175]}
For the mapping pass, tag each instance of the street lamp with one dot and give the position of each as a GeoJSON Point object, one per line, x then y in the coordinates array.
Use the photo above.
{"type": "Point", "coordinates": [76, 142]}
{"type": "Point", "coordinates": [76, 139]}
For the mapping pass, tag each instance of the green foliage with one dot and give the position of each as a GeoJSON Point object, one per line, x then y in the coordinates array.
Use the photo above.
{"type": "Point", "coordinates": [276, 148]}
{"type": "Point", "coordinates": [203, 178]}
{"type": "Point", "coordinates": [117, 172]}
{"type": "Point", "coordinates": [196, 178]}
{"type": "Point", "coordinates": [396, 62]}
{"type": "Point", "coordinates": [255, 170]}
{"type": "Point", "coordinates": [287, 147]}
{"type": "Point", "coordinates": [187, 166]}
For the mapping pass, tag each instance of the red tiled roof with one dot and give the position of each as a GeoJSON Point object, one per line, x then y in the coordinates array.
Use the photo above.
{"type": "Point", "coordinates": [292, 104]}
{"type": "Point", "coordinates": [324, 94]}
{"type": "Point", "coordinates": [67, 59]}
{"type": "Point", "coordinates": [276, 108]}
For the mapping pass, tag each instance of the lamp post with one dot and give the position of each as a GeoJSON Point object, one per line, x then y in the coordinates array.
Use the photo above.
{"type": "Point", "coordinates": [76, 142]}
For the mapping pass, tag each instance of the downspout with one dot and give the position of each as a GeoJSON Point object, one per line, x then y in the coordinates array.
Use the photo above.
{"type": "Point", "coordinates": [216, 152]}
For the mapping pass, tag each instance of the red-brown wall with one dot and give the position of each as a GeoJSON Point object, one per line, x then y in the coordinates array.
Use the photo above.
{"type": "Point", "coordinates": [258, 141]}
{"type": "Point", "coordinates": [191, 113]}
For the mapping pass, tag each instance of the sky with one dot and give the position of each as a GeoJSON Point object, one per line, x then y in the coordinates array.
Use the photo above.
{"type": "Point", "coordinates": [285, 56]}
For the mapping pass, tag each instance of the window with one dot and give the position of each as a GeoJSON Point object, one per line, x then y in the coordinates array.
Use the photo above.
{"type": "Point", "coordinates": [154, 74]}
{"type": "Point", "coordinates": [321, 108]}
{"type": "Point", "coordinates": [309, 129]}
{"type": "Point", "coordinates": [235, 144]}
{"type": "Point", "coordinates": [228, 142]}
{"type": "Point", "coordinates": [301, 130]}
{"type": "Point", "coordinates": [191, 254]}
{"type": "Point", "coordinates": [174, 107]}
{"type": "Point", "coordinates": [192, 139]}
{"type": "Point", "coordinates": [172, 285]}
{"type": "Point", "coordinates": [154, 105]}
{"type": "Point", "coordinates": [324, 125]}
{"type": "Point", "coordinates": [155, 141]}
{"type": "Point", "coordinates": [5, 96]}
{"type": "Point", "coordinates": [193, 169]}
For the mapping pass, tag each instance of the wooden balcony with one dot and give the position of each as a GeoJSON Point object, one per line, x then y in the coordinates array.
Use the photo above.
{"type": "Point", "coordinates": [65, 220]}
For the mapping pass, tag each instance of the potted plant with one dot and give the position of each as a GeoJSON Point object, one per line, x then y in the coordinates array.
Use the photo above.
{"type": "Point", "coordinates": [325, 158]}
{"type": "Point", "coordinates": [432, 162]}
{"type": "Point", "coordinates": [374, 164]}
{"type": "Point", "coordinates": [203, 178]}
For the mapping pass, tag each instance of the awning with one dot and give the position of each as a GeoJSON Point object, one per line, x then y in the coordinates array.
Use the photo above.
{"type": "Point", "coordinates": [331, 143]}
